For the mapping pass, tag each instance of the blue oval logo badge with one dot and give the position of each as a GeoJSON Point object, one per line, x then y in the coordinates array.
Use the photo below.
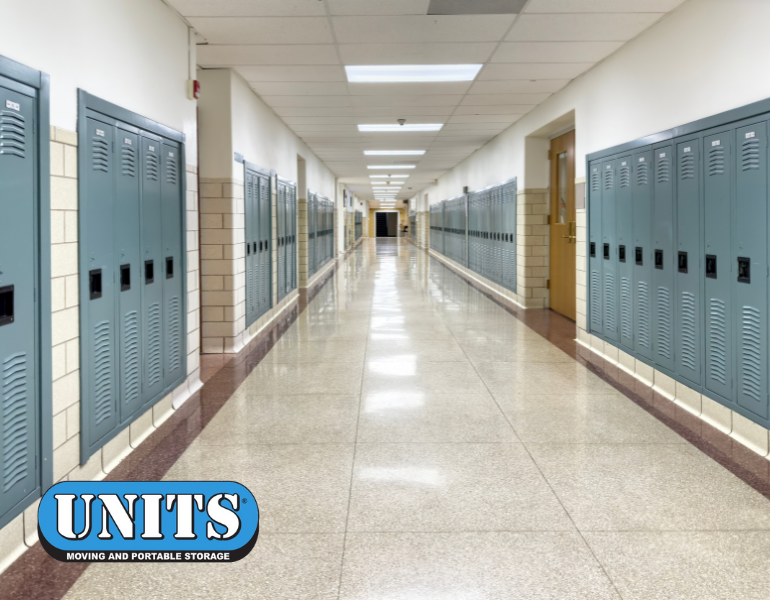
{"type": "Point", "coordinates": [148, 521]}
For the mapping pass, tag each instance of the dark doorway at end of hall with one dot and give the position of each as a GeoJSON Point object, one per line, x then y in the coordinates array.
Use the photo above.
{"type": "Point", "coordinates": [387, 224]}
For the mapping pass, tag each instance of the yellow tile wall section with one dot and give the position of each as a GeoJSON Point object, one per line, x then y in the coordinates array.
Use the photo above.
{"type": "Point", "coordinates": [532, 247]}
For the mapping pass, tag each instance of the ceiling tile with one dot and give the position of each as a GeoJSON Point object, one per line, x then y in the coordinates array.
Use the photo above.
{"type": "Point", "coordinates": [297, 111]}
{"type": "Point", "coordinates": [306, 101]}
{"type": "Point", "coordinates": [485, 126]}
{"type": "Point", "coordinates": [529, 71]}
{"type": "Point", "coordinates": [426, 100]}
{"type": "Point", "coordinates": [392, 30]}
{"type": "Point", "coordinates": [416, 54]}
{"type": "Point", "coordinates": [498, 109]}
{"type": "Point", "coordinates": [226, 56]}
{"type": "Point", "coordinates": [409, 89]}
{"type": "Point", "coordinates": [377, 7]}
{"type": "Point", "coordinates": [493, 99]}
{"type": "Point", "coordinates": [518, 86]}
{"type": "Point", "coordinates": [290, 73]}
{"type": "Point", "coordinates": [287, 88]}
{"type": "Point", "coordinates": [617, 27]}
{"type": "Point", "coordinates": [263, 30]}
{"type": "Point", "coordinates": [484, 119]}
{"type": "Point", "coordinates": [599, 6]}
{"type": "Point", "coordinates": [554, 52]}
{"type": "Point", "coordinates": [249, 8]}
{"type": "Point", "coordinates": [397, 112]}
{"type": "Point", "coordinates": [475, 7]}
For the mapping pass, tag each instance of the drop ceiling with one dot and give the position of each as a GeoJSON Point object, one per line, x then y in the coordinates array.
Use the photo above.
{"type": "Point", "coordinates": [293, 53]}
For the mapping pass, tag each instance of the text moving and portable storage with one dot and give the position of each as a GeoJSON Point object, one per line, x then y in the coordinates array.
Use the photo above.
{"type": "Point", "coordinates": [678, 255]}
{"type": "Point", "coordinates": [132, 267]}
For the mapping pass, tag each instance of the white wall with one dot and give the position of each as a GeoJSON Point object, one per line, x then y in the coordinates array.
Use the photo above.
{"type": "Point", "coordinates": [133, 53]}
{"type": "Point", "coordinates": [705, 57]}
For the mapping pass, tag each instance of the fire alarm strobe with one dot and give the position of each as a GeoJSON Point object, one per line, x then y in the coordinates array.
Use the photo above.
{"type": "Point", "coordinates": [193, 89]}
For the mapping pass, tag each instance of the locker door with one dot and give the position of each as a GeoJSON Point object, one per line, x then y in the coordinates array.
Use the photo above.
{"type": "Point", "coordinates": [127, 232]}
{"type": "Point", "coordinates": [596, 298]}
{"type": "Point", "coordinates": [265, 225]}
{"type": "Point", "coordinates": [663, 259]}
{"type": "Point", "coordinates": [97, 285]}
{"type": "Point", "coordinates": [688, 320]}
{"type": "Point", "coordinates": [609, 250]}
{"type": "Point", "coordinates": [750, 256]}
{"type": "Point", "coordinates": [281, 221]}
{"type": "Point", "coordinates": [19, 328]}
{"type": "Point", "coordinates": [172, 272]}
{"type": "Point", "coordinates": [642, 255]}
{"type": "Point", "coordinates": [718, 269]}
{"type": "Point", "coordinates": [152, 270]}
{"type": "Point", "coordinates": [311, 234]}
{"type": "Point", "coordinates": [625, 229]}
{"type": "Point", "coordinates": [252, 266]}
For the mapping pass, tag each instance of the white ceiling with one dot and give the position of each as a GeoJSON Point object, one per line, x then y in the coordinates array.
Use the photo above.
{"type": "Point", "coordinates": [293, 53]}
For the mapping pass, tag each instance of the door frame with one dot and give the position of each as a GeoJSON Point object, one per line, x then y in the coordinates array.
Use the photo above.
{"type": "Point", "coordinates": [567, 138]}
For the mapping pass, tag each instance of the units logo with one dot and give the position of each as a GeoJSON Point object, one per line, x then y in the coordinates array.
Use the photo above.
{"type": "Point", "coordinates": [141, 521]}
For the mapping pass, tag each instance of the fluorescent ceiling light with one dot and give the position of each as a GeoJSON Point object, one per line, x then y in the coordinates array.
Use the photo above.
{"type": "Point", "coordinates": [390, 166]}
{"type": "Point", "coordinates": [380, 127]}
{"type": "Point", "coordinates": [388, 176]}
{"type": "Point", "coordinates": [394, 152]}
{"type": "Point", "coordinates": [411, 73]}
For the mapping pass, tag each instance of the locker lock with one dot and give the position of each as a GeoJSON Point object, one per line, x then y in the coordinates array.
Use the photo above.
{"type": "Point", "coordinates": [744, 270]}
{"type": "Point", "coordinates": [711, 266]}
{"type": "Point", "coordinates": [639, 256]}
{"type": "Point", "coordinates": [682, 262]}
{"type": "Point", "coordinates": [659, 259]}
{"type": "Point", "coordinates": [6, 305]}
{"type": "Point", "coordinates": [125, 278]}
{"type": "Point", "coordinates": [622, 253]}
{"type": "Point", "coordinates": [95, 283]}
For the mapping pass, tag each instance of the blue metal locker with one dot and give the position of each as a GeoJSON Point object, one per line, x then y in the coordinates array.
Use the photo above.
{"type": "Point", "coordinates": [642, 254]}
{"type": "Point", "coordinates": [750, 256]}
{"type": "Point", "coordinates": [609, 248]}
{"type": "Point", "coordinates": [718, 268]}
{"type": "Point", "coordinates": [595, 260]}
{"type": "Point", "coordinates": [250, 243]}
{"type": "Point", "coordinates": [97, 285]}
{"type": "Point", "coordinates": [625, 238]}
{"type": "Point", "coordinates": [127, 233]}
{"type": "Point", "coordinates": [264, 244]}
{"type": "Point", "coordinates": [663, 259]}
{"type": "Point", "coordinates": [152, 269]}
{"type": "Point", "coordinates": [688, 316]}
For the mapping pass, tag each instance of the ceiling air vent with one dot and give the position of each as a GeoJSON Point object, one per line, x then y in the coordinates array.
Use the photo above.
{"type": "Point", "coordinates": [475, 7]}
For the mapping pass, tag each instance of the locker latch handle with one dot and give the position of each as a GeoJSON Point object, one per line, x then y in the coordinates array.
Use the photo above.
{"type": "Point", "coordinates": [711, 266]}
{"type": "Point", "coordinates": [169, 267]}
{"type": "Point", "coordinates": [606, 251]}
{"type": "Point", "coordinates": [639, 256]}
{"type": "Point", "coordinates": [682, 264]}
{"type": "Point", "coordinates": [125, 278]}
{"type": "Point", "coordinates": [95, 283]}
{"type": "Point", "coordinates": [6, 305]}
{"type": "Point", "coordinates": [149, 271]}
{"type": "Point", "coordinates": [248, 249]}
{"type": "Point", "coordinates": [744, 270]}
{"type": "Point", "coordinates": [659, 259]}
{"type": "Point", "coordinates": [622, 253]}
{"type": "Point", "coordinates": [593, 249]}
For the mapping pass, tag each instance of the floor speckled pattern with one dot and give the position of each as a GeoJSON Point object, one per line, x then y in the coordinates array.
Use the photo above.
{"type": "Point", "coordinates": [409, 439]}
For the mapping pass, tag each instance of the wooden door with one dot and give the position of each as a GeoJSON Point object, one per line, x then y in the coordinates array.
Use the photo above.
{"type": "Point", "coordinates": [563, 226]}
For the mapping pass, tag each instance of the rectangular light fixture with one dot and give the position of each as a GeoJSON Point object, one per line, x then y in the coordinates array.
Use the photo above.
{"type": "Point", "coordinates": [388, 127]}
{"type": "Point", "coordinates": [388, 176]}
{"type": "Point", "coordinates": [390, 166]}
{"type": "Point", "coordinates": [411, 73]}
{"type": "Point", "coordinates": [394, 152]}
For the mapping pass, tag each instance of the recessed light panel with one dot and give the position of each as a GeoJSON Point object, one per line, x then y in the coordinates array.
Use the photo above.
{"type": "Point", "coordinates": [390, 166]}
{"type": "Point", "coordinates": [394, 152]}
{"type": "Point", "coordinates": [388, 176]}
{"type": "Point", "coordinates": [411, 73]}
{"type": "Point", "coordinates": [387, 127]}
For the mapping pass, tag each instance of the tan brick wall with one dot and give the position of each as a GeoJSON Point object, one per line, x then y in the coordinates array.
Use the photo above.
{"type": "Point", "coordinates": [532, 247]}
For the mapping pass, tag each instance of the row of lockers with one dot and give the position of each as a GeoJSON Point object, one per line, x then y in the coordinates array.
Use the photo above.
{"type": "Point", "coordinates": [258, 199]}
{"type": "Point", "coordinates": [132, 270]}
{"type": "Point", "coordinates": [359, 224]}
{"type": "Point", "coordinates": [678, 256]}
{"type": "Point", "coordinates": [478, 230]}
{"type": "Point", "coordinates": [286, 241]}
{"type": "Point", "coordinates": [320, 234]}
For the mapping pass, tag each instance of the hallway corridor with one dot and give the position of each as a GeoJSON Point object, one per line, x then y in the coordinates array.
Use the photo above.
{"type": "Point", "coordinates": [407, 438]}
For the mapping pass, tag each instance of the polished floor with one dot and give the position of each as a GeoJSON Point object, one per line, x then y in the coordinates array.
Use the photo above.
{"type": "Point", "coordinates": [407, 438]}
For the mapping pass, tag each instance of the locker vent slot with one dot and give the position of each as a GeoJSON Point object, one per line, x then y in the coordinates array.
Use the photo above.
{"type": "Point", "coordinates": [151, 166]}
{"type": "Point", "coordinates": [15, 436]}
{"type": "Point", "coordinates": [609, 295]}
{"type": "Point", "coordinates": [102, 372]}
{"type": "Point", "coordinates": [688, 166]}
{"type": "Point", "coordinates": [663, 171]}
{"type": "Point", "coordinates": [664, 322]}
{"type": "Point", "coordinates": [751, 352]}
{"type": "Point", "coordinates": [750, 155]}
{"type": "Point", "coordinates": [595, 185]}
{"type": "Point", "coordinates": [101, 155]}
{"type": "Point", "coordinates": [609, 179]}
{"type": "Point", "coordinates": [128, 161]}
{"type": "Point", "coordinates": [643, 297]}
{"type": "Point", "coordinates": [12, 134]}
{"type": "Point", "coordinates": [718, 342]}
{"type": "Point", "coordinates": [643, 174]}
{"type": "Point", "coordinates": [131, 356]}
{"type": "Point", "coordinates": [171, 171]}
{"type": "Point", "coordinates": [154, 371]}
{"type": "Point", "coordinates": [174, 342]}
{"type": "Point", "coordinates": [596, 301]}
{"type": "Point", "coordinates": [625, 308]}
{"type": "Point", "coordinates": [625, 176]}
{"type": "Point", "coordinates": [716, 161]}
{"type": "Point", "coordinates": [688, 330]}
